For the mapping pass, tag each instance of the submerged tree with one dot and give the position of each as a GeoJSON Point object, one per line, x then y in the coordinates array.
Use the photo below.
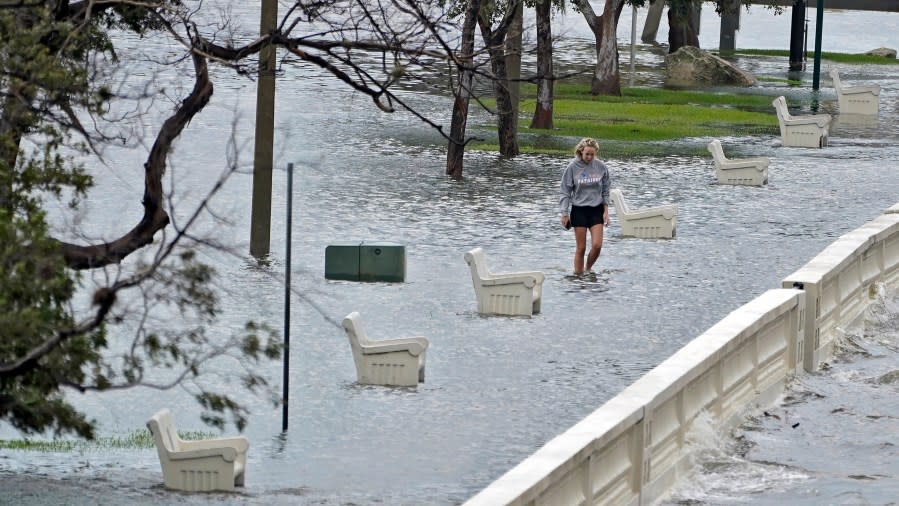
{"type": "Point", "coordinates": [543, 110]}
{"type": "Point", "coordinates": [683, 19]}
{"type": "Point", "coordinates": [606, 75]}
{"type": "Point", "coordinates": [79, 315]}
{"type": "Point", "coordinates": [462, 91]}
{"type": "Point", "coordinates": [683, 24]}
{"type": "Point", "coordinates": [494, 20]}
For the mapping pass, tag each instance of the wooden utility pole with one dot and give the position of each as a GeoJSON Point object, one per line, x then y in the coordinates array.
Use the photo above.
{"type": "Point", "coordinates": [261, 217]}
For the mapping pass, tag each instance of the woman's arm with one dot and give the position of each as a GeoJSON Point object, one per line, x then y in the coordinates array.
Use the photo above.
{"type": "Point", "coordinates": [606, 185]}
{"type": "Point", "coordinates": [566, 190]}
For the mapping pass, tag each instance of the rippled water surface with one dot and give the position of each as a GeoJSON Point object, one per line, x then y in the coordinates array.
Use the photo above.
{"type": "Point", "coordinates": [498, 388]}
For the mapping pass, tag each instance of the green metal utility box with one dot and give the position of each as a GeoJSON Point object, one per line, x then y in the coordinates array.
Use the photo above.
{"type": "Point", "coordinates": [342, 261]}
{"type": "Point", "coordinates": [382, 261]}
{"type": "Point", "coordinates": [366, 261]}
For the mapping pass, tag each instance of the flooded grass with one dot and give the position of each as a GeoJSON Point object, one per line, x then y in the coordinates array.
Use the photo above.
{"type": "Point", "coordinates": [790, 82]}
{"type": "Point", "coordinates": [140, 439]}
{"type": "Point", "coordinates": [636, 123]}
{"type": "Point", "coordinates": [651, 115]}
{"type": "Point", "coordinates": [834, 57]}
{"type": "Point", "coordinates": [550, 145]}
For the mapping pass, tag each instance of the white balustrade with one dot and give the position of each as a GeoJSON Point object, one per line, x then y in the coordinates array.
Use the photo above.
{"type": "Point", "coordinates": [841, 280]}
{"type": "Point", "coordinates": [631, 450]}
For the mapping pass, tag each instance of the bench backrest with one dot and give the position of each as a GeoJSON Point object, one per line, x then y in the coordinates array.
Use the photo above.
{"type": "Point", "coordinates": [477, 263]}
{"type": "Point", "coordinates": [162, 426]}
{"type": "Point", "coordinates": [618, 201]}
{"type": "Point", "coordinates": [352, 323]}
{"type": "Point", "coordinates": [780, 105]}
{"type": "Point", "coordinates": [717, 151]}
{"type": "Point", "coordinates": [837, 85]}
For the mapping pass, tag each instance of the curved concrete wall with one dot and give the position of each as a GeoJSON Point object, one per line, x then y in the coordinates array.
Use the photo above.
{"type": "Point", "coordinates": [632, 449]}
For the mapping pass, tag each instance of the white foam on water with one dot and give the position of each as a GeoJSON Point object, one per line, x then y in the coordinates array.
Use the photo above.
{"type": "Point", "coordinates": [721, 475]}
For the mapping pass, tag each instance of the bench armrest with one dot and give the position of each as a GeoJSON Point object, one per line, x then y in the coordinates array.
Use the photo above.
{"type": "Point", "coordinates": [227, 454]}
{"type": "Point", "coordinates": [821, 120]}
{"type": "Point", "coordinates": [667, 212]}
{"type": "Point", "coordinates": [745, 163]}
{"type": "Point", "coordinates": [239, 443]}
{"type": "Point", "coordinates": [855, 90]}
{"type": "Point", "coordinates": [414, 345]}
{"type": "Point", "coordinates": [528, 278]}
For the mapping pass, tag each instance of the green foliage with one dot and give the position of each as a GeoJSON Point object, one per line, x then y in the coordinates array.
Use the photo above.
{"type": "Point", "coordinates": [683, 7]}
{"type": "Point", "coordinates": [51, 68]}
{"type": "Point", "coordinates": [33, 305]}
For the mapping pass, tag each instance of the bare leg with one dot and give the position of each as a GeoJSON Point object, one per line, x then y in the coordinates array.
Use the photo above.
{"type": "Point", "coordinates": [580, 238]}
{"type": "Point", "coordinates": [596, 234]}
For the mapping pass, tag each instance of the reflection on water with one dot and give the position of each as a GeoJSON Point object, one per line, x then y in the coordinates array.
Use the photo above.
{"type": "Point", "coordinates": [497, 388]}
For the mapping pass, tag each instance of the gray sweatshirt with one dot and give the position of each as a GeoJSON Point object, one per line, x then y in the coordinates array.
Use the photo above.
{"type": "Point", "coordinates": [583, 184]}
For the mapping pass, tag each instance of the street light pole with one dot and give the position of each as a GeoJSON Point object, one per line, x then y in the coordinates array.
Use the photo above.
{"type": "Point", "coordinates": [286, 366]}
{"type": "Point", "coordinates": [816, 77]}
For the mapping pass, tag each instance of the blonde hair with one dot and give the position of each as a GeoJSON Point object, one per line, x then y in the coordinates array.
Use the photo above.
{"type": "Point", "coordinates": [586, 142]}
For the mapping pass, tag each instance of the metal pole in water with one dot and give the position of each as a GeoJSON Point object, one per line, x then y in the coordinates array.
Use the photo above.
{"type": "Point", "coordinates": [816, 77]}
{"type": "Point", "coordinates": [286, 380]}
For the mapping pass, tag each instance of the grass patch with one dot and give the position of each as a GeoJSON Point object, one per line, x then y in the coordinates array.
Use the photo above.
{"type": "Point", "coordinates": [629, 125]}
{"type": "Point", "coordinates": [791, 82]}
{"type": "Point", "coordinates": [608, 149]}
{"type": "Point", "coordinates": [641, 121]}
{"type": "Point", "coordinates": [136, 440]}
{"type": "Point", "coordinates": [580, 91]}
{"type": "Point", "coordinates": [836, 57]}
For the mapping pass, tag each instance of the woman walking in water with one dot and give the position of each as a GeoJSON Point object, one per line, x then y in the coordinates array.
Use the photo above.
{"type": "Point", "coordinates": [583, 202]}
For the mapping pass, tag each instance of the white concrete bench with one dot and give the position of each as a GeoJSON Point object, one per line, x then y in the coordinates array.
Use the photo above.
{"type": "Point", "coordinates": [198, 466]}
{"type": "Point", "coordinates": [809, 131]}
{"type": "Point", "coordinates": [392, 362]}
{"type": "Point", "coordinates": [504, 293]}
{"type": "Point", "coordinates": [648, 223]}
{"type": "Point", "coordinates": [743, 171]}
{"type": "Point", "coordinates": [856, 99]}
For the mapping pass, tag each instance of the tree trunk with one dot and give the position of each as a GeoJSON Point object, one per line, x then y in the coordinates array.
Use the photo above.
{"type": "Point", "coordinates": [506, 117]}
{"type": "Point", "coordinates": [682, 28]}
{"type": "Point", "coordinates": [543, 112]}
{"type": "Point", "coordinates": [12, 128]}
{"type": "Point", "coordinates": [607, 76]}
{"type": "Point", "coordinates": [456, 145]}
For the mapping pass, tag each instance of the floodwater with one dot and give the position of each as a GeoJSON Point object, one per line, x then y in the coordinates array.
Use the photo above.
{"type": "Point", "coordinates": [498, 388]}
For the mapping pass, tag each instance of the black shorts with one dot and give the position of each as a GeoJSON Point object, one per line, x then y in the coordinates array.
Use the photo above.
{"type": "Point", "coordinates": [586, 216]}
